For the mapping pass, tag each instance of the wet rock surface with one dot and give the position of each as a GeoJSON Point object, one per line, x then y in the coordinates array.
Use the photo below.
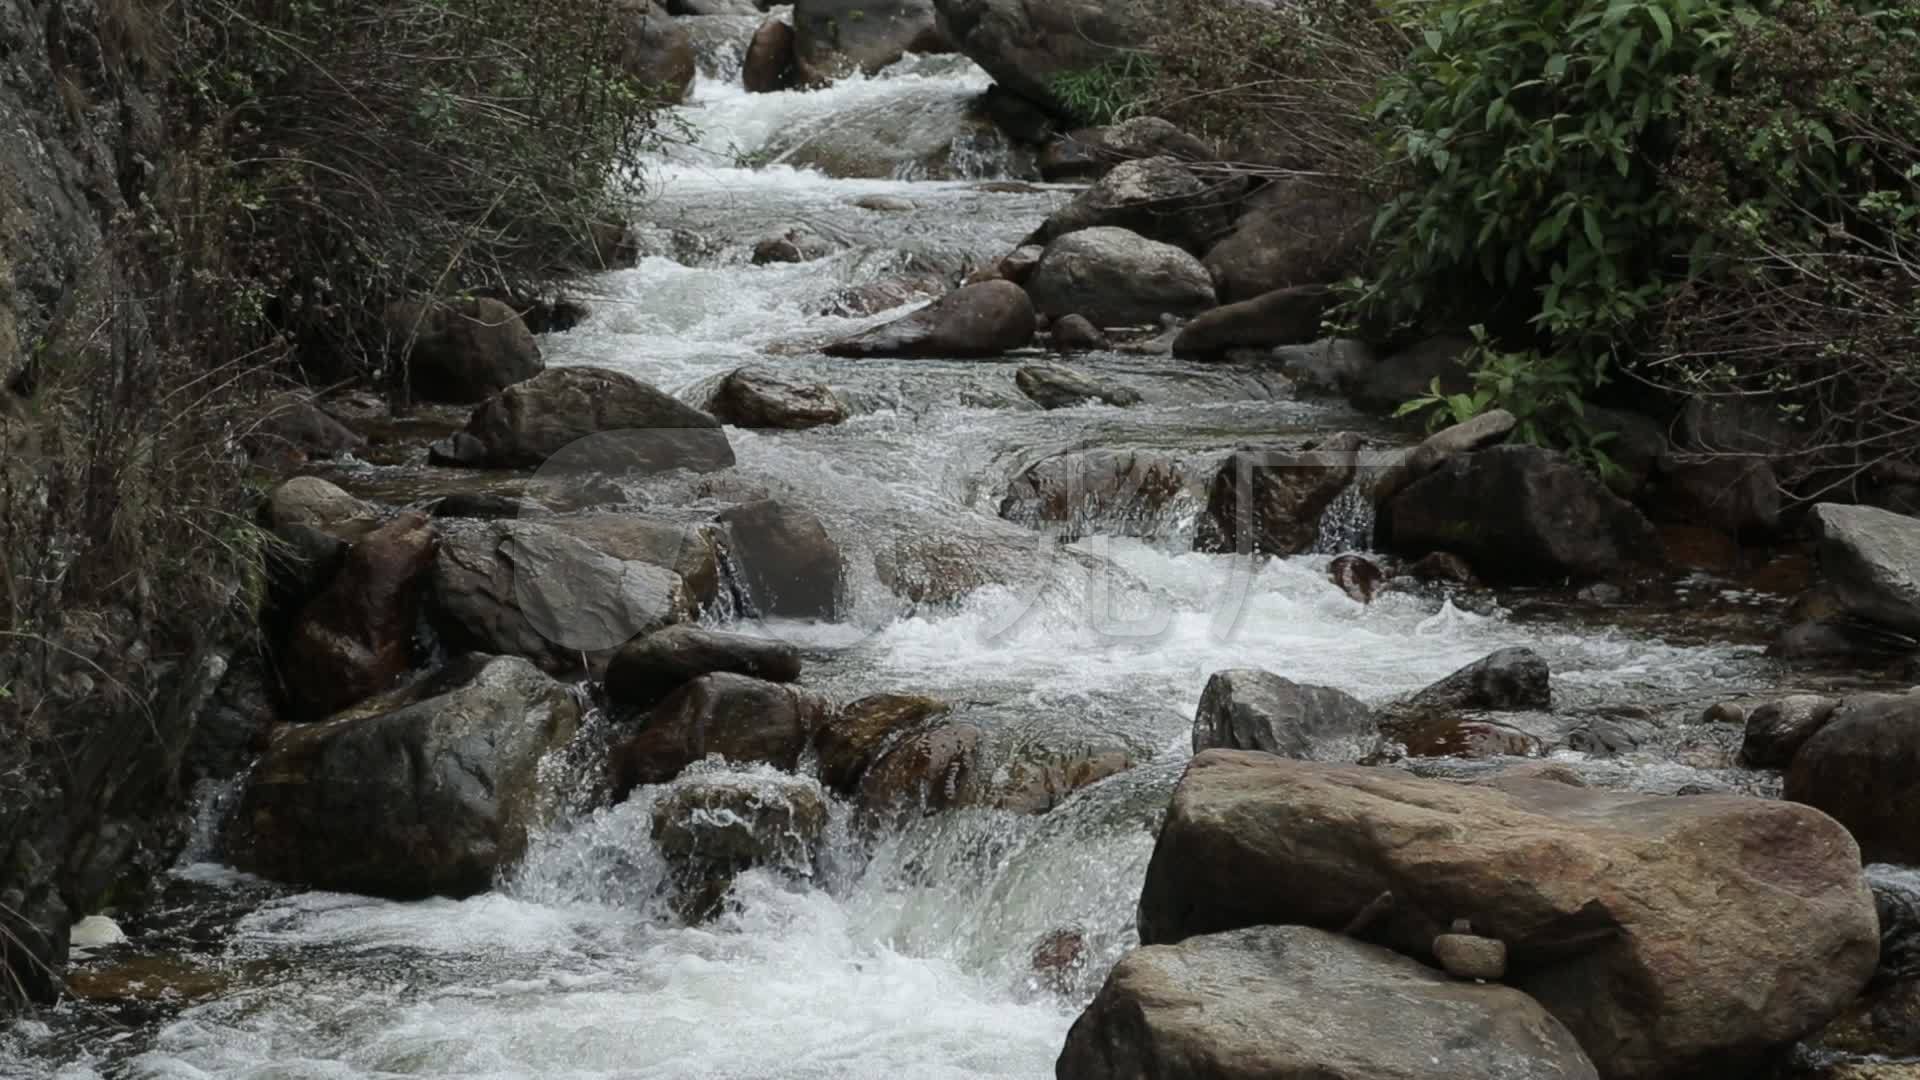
{"type": "Point", "coordinates": [1249, 709]}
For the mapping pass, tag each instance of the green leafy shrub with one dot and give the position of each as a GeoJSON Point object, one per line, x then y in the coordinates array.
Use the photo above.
{"type": "Point", "coordinates": [1106, 93]}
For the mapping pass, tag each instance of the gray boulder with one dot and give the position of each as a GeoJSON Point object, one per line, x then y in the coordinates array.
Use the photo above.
{"type": "Point", "coordinates": [1502, 681]}
{"type": "Point", "coordinates": [833, 38]}
{"type": "Point", "coordinates": [1027, 46]}
{"type": "Point", "coordinates": [1086, 154]}
{"type": "Point", "coordinates": [312, 503]}
{"type": "Point", "coordinates": [1293, 1003]}
{"type": "Point", "coordinates": [1052, 386]}
{"type": "Point", "coordinates": [1672, 936]}
{"type": "Point", "coordinates": [984, 319]}
{"type": "Point", "coordinates": [755, 397]}
{"type": "Point", "coordinates": [1158, 197]}
{"type": "Point", "coordinates": [429, 791]}
{"type": "Point", "coordinates": [1289, 316]}
{"type": "Point", "coordinates": [1116, 277]}
{"type": "Point", "coordinates": [1250, 709]}
{"type": "Point", "coordinates": [1777, 729]}
{"type": "Point", "coordinates": [1292, 233]}
{"type": "Point", "coordinates": [1075, 333]}
{"type": "Point", "coordinates": [1870, 559]}
{"type": "Point", "coordinates": [789, 564]}
{"type": "Point", "coordinates": [1518, 514]}
{"type": "Point", "coordinates": [546, 422]}
{"type": "Point", "coordinates": [1441, 447]}
{"type": "Point", "coordinates": [647, 669]}
{"type": "Point", "coordinates": [527, 589]}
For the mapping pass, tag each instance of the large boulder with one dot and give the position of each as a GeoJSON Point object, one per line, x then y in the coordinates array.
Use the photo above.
{"type": "Point", "coordinates": [312, 503]}
{"type": "Point", "coordinates": [1777, 729]}
{"type": "Point", "coordinates": [769, 65]}
{"type": "Point", "coordinates": [1332, 366]}
{"type": "Point", "coordinates": [930, 769]}
{"type": "Point", "coordinates": [1518, 514]}
{"type": "Point", "coordinates": [527, 589]}
{"type": "Point", "coordinates": [1026, 46]}
{"type": "Point", "coordinates": [833, 38]}
{"type": "Point", "coordinates": [856, 734]}
{"type": "Point", "coordinates": [1410, 373]}
{"type": "Point", "coordinates": [742, 719]}
{"type": "Point", "coordinates": [1271, 501]}
{"type": "Point", "coordinates": [1294, 1003]}
{"type": "Point", "coordinates": [1250, 709]}
{"type": "Point", "coordinates": [1158, 197]}
{"type": "Point", "coordinates": [461, 352]}
{"type": "Point", "coordinates": [647, 669]}
{"type": "Point", "coordinates": [1293, 232]}
{"type": "Point", "coordinates": [1863, 767]}
{"type": "Point", "coordinates": [1870, 559]}
{"type": "Point", "coordinates": [356, 638]}
{"type": "Point", "coordinates": [789, 564]}
{"type": "Point", "coordinates": [1289, 316]}
{"type": "Point", "coordinates": [294, 430]}
{"type": "Point", "coordinates": [1116, 277]}
{"type": "Point", "coordinates": [984, 319]}
{"type": "Point", "coordinates": [1441, 447]}
{"type": "Point", "coordinates": [756, 397]}
{"type": "Point", "coordinates": [635, 427]}
{"type": "Point", "coordinates": [433, 795]}
{"type": "Point", "coordinates": [656, 50]}
{"type": "Point", "coordinates": [1089, 153]}
{"type": "Point", "coordinates": [1673, 936]}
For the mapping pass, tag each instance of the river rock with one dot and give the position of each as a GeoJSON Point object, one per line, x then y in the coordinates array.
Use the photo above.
{"type": "Point", "coordinates": [1274, 1002]}
{"type": "Point", "coordinates": [655, 50]}
{"type": "Point", "coordinates": [1026, 46]}
{"type": "Point", "coordinates": [1777, 729]}
{"type": "Point", "coordinates": [1870, 560]}
{"type": "Point", "coordinates": [742, 719]}
{"type": "Point", "coordinates": [833, 38]}
{"type": "Point", "coordinates": [1469, 956]}
{"type": "Point", "coordinates": [692, 551]}
{"type": "Point", "coordinates": [929, 770]}
{"type": "Point", "coordinates": [1739, 496]}
{"type": "Point", "coordinates": [1086, 154]}
{"type": "Point", "coordinates": [1116, 277]}
{"type": "Point", "coordinates": [1672, 936]}
{"type": "Point", "coordinates": [1520, 514]}
{"type": "Point", "coordinates": [1328, 366]}
{"type": "Point", "coordinates": [1863, 768]}
{"type": "Point", "coordinates": [1270, 501]}
{"type": "Point", "coordinates": [756, 397]}
{"type": "Point", "coordinates": [973, 321]}
{"type": "Point", "coordinates": [769, 66]}
{"type": "Point", "coordinates": [313, 503]}
{"type": "Point", "coordinates": [855, 734]}
{"type": "Point", "coordinates": [1409, 373]}
{"type": "Point", "coordinates": [786, 560]}
{"type": "Point", "coordinates": [1293, 232]}
{"type": "Point", "coordinates": [647, 669]}
{"type": "Point", "coordinates": [1159, 197]}
{"type": "Point", "coordinates": [1075, 333]}
{"type": "Point", "coordinates": [294, 430]}
{"type": "Point", "coordinates": [1250, 709]}
{"type": "Point", "coordinates": [434, 796]}
{"type": "Point", "coordinates": [356, 638]}
{"type": "Point", "coordinates": [1052, 386]}
{"type": "Point", "coordinates": [1357, 576]}
{"type": "Point", "coordinates": [1015, 266]}
{"type": "Point", "coordinates": [541, 423]}
{"type": "Point", "coordinates": [525, 588]}
{"type": "Point", "coordinates": [794, 244]}
{"type": "Point", "coordinates": [461, 352]}
{"type": "Point", "coordinates": [1441, 447]}
{"type": "Point", "coordinates": [877, 296]}
{"type": "Point", "coordinates": [711, 828]}
{"type": "Point", "coordinates": [1129, 492]}
{"type": "Point", "coordinates": [1502, 681]}
{"type": "Point", "coordinates": [1039, 774]}
{"type": "Point", "coordinates": [1288, 316]}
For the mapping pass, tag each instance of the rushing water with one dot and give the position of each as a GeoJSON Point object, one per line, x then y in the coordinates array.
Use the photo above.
{"type": "Point", "coordinates": [912, 959]}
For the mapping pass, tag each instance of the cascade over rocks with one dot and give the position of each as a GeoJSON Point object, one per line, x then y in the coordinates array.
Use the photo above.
{"type": "Point", "coordinates": [1025, 46]}
{"type": "Point", "coordinates": [1292, 232]}
{"type": "Point", "coordinates": [1250, 709]}
{"type": "Point", "coordinates": [756, 397]}
{"type": "Point", "coordinates": [1294, 1003]}
{"type": "Point", "coordinates": [927, 771]}
{"type": "Point", "coordinates": [980, 320]}
{"type": "Point", "coordinates": [1270, 501]}
{"type": "Point", "coordinates": [1870, 560]}
{"type": "Point", "coordinates": [1116, 277]}
{"type": "Point", "coordinates": [789, 564]}
{"type": "Point", "coordinates": [711, 828]}
{"type": "Point", "coordinates": [640, 429]}
{"type": "Point", "coordinates": [1672, 936]}
{"type": "Point", "coordinates": [769, 66]}
{"type": "Point", "coordinates": [833, 38]}
{"type": "Point", "coordinates": [1863, 767]}
{"type": "Point", "coordinates": [854, 735]}
{"type": "Point", "coordinates": [1288, 316]}
{"type": "Point", "coordinates": [356, 638]}
{"type": "Point", "coordinates": [525, 588]}
{"type": "Point", "coordinates": [1052, 386]}
{"type": "Point", "coordinates": [1130, 492]}
{"type": "Point", "coordinates": [647, 669]}
{"type": "Point", "coordinates": [742, 719]}
{"type": "Point", "coordinates": [429, 790]}
{"type": "Point", "coordinates": [1157, 197]}
{"type": "Point", "coordinates": [460, 352]}
{"type": "Point", "coordinates": [1518, 513]}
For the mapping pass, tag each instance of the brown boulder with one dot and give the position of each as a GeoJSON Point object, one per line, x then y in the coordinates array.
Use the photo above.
{"type": "Point", "coordinates": [1863, 767]}
{"type": "Point", "coordinates": [460, 352]}
{"type": "Point", "coordinates": [744, 720]}
{"type": "Point", "coordinates": [1294, 232]}
{"type": "Point", "coordinates": [1673, 936]}
{"type": "Point", "coordinates": [356, 638]}
{"type": "Point", "coordinates": [855, 734]}
{"type": "Point", "coordinates": [980, 320]}
{"type": "Point", "coordinates": [1288, 316]}
{"type": "Point", "coordinates": [769, 67]}
{"type": "Point", "coordinates": [1270, 501]}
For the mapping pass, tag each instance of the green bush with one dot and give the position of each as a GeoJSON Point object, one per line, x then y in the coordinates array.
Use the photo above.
{"type": "Point", "coordinates": [1106, 93]}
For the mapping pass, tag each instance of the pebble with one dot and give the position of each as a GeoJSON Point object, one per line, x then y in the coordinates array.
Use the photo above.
{"type": "Point", "coordinates": [1469, 956]}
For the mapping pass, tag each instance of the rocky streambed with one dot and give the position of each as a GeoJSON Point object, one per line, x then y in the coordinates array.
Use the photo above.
{"type": "Point", "coordinates": [770, 677]}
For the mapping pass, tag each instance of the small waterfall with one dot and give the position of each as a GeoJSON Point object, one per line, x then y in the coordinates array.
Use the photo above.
{"type": "Point", "coordinates": [1347, 523]}
{"type": "Point", "coordinates": [213, 801]}
{"type": "Point", "coordinates": [720, 43]}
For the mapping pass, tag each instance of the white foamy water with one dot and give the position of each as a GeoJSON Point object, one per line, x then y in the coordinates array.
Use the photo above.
{"type": "Point", "coordinates": [912, 959]}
